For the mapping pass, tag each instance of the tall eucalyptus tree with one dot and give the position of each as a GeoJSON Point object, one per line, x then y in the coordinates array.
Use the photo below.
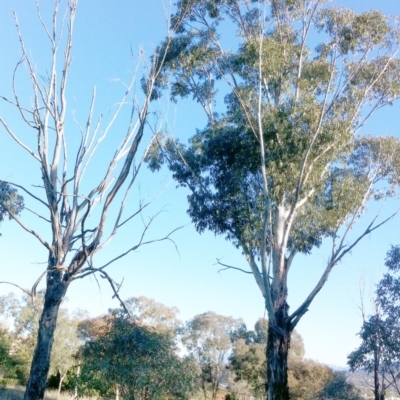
{"type": "Point", "coordinates": [282, 165]}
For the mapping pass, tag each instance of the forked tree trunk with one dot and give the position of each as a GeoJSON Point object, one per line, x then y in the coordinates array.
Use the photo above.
{"type": "Point", "coordinates": [378, 392]}
{"type": "Point", "coordinates": [62, 377]}
{"type": "Point", "coordinates": [278, 344]}
{"type": "Point", "coordinates": [55, 292]}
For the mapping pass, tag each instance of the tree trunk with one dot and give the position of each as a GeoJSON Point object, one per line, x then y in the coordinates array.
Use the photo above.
{"type": "Point", "coordinates": [78, 374]}
{"type": "Point", "coordinates": [278, 344]}
{"type": "Point", "coordinates": [55, 292]}
{"type": "Point", "coordinates": [379, 393]}
{"type": "Point", "coordinates": [62, 377]}
{"type": "Point", "coordinates": [214, 382]}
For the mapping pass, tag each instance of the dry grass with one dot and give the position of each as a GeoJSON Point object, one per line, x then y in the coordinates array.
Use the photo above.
{"type": "Point", "coordinates": [17, 393]}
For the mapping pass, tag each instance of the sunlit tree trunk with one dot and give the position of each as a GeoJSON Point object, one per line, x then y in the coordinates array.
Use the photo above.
{"type": "Point", "coordinates": [62, 377]}
{"type": "Point", "coordinates": [78, 373]}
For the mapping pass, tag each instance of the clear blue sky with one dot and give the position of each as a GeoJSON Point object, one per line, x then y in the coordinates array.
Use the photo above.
{"type": "Point", "coordinates": [189, 280]}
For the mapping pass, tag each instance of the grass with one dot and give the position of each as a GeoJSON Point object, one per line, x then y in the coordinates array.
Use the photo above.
{"type": "Point", "coordinates": [17, 393]}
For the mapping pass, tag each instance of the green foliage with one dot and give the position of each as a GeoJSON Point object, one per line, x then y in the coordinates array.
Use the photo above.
{"type": "Point", "coordinates": [208, 339]}
{"type": "Point", "coordinates": [65, 346]}
{"type": "Point", "coordinates": [379, 351]}
{"type": "Point", "coordinates": [374, 336]}
{"type": "Point", "coordinates": [280, 165]}
{"type": "Point", "coordinates": [307, 379]}
{"type": "Point", "coordinates": [6, 360]}
{"type": "Point", "coordinates": [248, 358]}
{"type": "Point", "coordinates": [141, 362]}
{"type": "Point", "coordinates": [249, 364]}
{"type": "Point", "coordinates": [311, 380]}
{"type": "Point", "coordinates": [25, 315]}
{"type": "Point", "coordinates": [308, 120]}
{"type": "Point", "coordinates": [155, 315]}
{"type": "Point", "coordinates": [10, 201]}
{"type": "Point", "coordinates": [339, 388]}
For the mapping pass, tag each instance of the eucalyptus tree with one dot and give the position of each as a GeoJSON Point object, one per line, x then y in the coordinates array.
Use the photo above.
{"type": "Point", "coordinates": [23, 315]}
{"type": "Point", "coordinates": [136, 361]}
{"type": "Point", "coordinates": [312, 380]}
{"type": "Point", "coordinates": [282, 164]}
{"type": "Point", "coordinates": [9, 200]}
{"type": "Point", "coordinates": [248, 363]}
{"type": "Point", "coordinates": [83, 213]}
{"type": "Point", "coordinates": [65, 347]}
{"type": "Point", "coordinates": [208, 338]}
{"type": "Point", "coordinates": [374, 355]}
{"type": "Point", "coordinates": [154, 315]}
{"type": "Point", "coordinates": [379, 351]}
{"type": "Point", "coordinates": [247, 359]}
{"type": "Point", "coordinates": [6, 361]}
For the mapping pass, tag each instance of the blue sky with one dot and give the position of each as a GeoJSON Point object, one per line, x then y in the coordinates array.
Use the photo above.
{"type": "Point", "coordinates": [106, 49]}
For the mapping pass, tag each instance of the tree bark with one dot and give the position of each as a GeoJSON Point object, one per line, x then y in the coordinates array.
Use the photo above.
{"type": "Point", "coordinates": [378, 392]}
{"type": "Point", "coordinates": [78, 374]}
{"type": "Point", "coordinates": [55, 292]}
{"type": "Point", "coordinates": [278, 344]}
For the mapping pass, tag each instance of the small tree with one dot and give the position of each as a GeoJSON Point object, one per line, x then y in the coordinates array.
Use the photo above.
{"type": "Point", "coordinates": [25, 315]}
{"type": "Point", "coordinates": [7, 363]}
{"type": "Point", "coordinates": [208, 338]}
{"type": "Point", "coordinates": [248, 356]}
{"type": "Point", "coordinates": [379, 352]}
{"type": "Point", "coordinates": [249, 364]}
{"type": "Point", "coordinates": [137, 361]}
{"type": "Point", "coordinates": [247, 359]}
{"type": "Point", "coordinates": [311, 380]}
{"type": "Point", "coordinates": [339, 388]}
{"type": "Point", "coordinates": [155, 315]}
{"type": "Point", "coordinates": [65, 347]}
{"type": "Point", "coordinates": [75, 208]}
{"type": "Point", "coordinates": [281, 166]}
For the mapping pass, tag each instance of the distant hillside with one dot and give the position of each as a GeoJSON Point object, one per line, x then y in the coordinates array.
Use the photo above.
{"type": "Point", "coordinates": [337, 368]}
{"type": "Point", "coordinates": [365, 382]}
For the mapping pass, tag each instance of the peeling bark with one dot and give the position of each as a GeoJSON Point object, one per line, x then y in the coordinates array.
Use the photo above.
{"type": "Point", "coordinates": [278, 344]}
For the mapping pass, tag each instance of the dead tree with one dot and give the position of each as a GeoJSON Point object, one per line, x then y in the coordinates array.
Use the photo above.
{"type": "Point", "coordinates": [76, 233]}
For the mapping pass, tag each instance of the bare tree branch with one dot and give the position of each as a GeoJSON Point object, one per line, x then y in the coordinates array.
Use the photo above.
{"type": "Point", "coordinates": [230, 267]}
{"type": "Point", "coordinates": [19, 287]}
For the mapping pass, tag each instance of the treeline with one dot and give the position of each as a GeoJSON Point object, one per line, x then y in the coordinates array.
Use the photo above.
{"type": "Point", "coordinates": [146, 352]}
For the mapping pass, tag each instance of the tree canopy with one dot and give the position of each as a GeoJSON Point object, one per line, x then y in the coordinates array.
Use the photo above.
{"type": "Point", "coordinates": [137, 361]}
{"type": "Point", "coordinates": [11, 203]}
{"type": "Point", "coordinates": [208, 338]}
{"type": "Point", "coordinates": [379, 351]}
{"type": "Point", "coordinates": [281, 165]}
